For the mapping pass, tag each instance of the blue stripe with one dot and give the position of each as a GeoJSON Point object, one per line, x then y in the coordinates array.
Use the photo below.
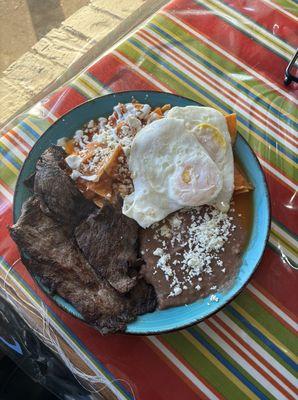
{"type": "Point", "coordinates": [114, 380]}
{"type": "Point", "coordinates": [8, 156]}
{"type": "Point", "coordinates": [264, 339]}
{"type": "Point", "coordinates": [28, 129]}
{"type": "Point", "coordinates": [222, 75]}
{"type": "Point", "coordinates": [223, 106]}
{"type": "Point", "coordinates": [196, 334]}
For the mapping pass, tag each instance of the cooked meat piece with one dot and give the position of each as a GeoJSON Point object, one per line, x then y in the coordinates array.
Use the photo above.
{"type": "Point", "coordinates": [46, 241]}
{"type": "Point", "coordinates": [59, 196]}
{"type": "Point", "coordinates": [29, 182]}
{"type": "Point", "coordinates": [60, 265]}
{"type": "Point", "coordinates": [108, 240]}
{"type": "Point", "coordinates": [143, 297]}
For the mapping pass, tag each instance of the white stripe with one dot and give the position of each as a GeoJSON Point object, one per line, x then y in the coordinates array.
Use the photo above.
{"type": "Point", "coordinates": [257, 348]}
{"type": "Point", "coordinates": [178, 364]}
{"type": "Point", "coordinates": [21, 144]}
{"type": "Point", "coordinates": [253, 358]}
{"type": "Point", "coordinates": [273, 307]}
{"type": "Point", "coordinates": [84, 89]}
{"type": "Point", "coordinates": [278, 174]}
{"type": "Point", "coordinates": [24, 136]}
{"type": "Point", "coordinates": [231, 57]}
{"type": "Point", "coordinates": [274, 5]}
{"type": "Point", "coordinates": [241, 361]}
{"type": "Point", "coordinates": [284, 234]}
{"type": "Point", "coordinates": [141, 72]}
{"type": "Point", "coordinates": [13, 149]}
{"type": "Point", "coordinates": [6, 193]}
{"type": "Point", "coordinates": [251, 28]}
{"type": "Point", "coordinates": [47, 113]}
{"type": "Point", "coordinates": [96, 85]}
{"type": "Point", "coordinates": [72, 343]}
{"type": "Point", "coordinates": [283, 250]}
{"type": "Point", "coordinates": [205, 72]}
{"type": "Point", "coordinates": [268, 116]}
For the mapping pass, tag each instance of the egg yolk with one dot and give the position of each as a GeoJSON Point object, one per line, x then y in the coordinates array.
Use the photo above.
{"type": "Point", "coordinates": [213, 132]}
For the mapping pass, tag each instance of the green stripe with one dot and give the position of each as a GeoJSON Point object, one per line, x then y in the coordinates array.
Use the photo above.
{"type": "Point", "coordinates": [267, 320]}
{"type": "Point", "coordinates": [292, 262]}
{"type": "Point", "coordinates": [157, 70]}
{"type": "Point", "coordinates": [231, 361]}
{"type": "Point", "coordinates": [248, 26]}
{"type": "Point", "coordinates": [7, 176]}
{"type": "Point", "coordinates": [221, 62]}
{"type": "Point", "coordinates": [259, 341]}
{"type": "Point", "coordinates": [288, 5]}
{"type": "Point", "coordinates": [203, 366]}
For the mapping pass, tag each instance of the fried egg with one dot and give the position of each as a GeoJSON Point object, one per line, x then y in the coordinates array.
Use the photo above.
{"type": "Point", "coordinates": [171, 169]}
{"type": "Point", "coordinates": [210, 128]}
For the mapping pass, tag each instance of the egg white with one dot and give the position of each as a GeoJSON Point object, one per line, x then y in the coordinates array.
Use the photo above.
{"type": "Point", "coordinates": [210, 128]}
{"type": "Point", "coordinates": [170, 170]}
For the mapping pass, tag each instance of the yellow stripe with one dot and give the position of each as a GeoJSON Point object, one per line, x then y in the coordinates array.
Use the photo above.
{"type": "Point", "coordinates": [212, 62]}
{"type": "Point", "coordinates": [38, 130]}
{"type": "Point", "coordinates": [283, 241]}
{"type": "Point", "coordinates": [219, 366]}
{"type": "Point", "coordinates": [10, 166]}
{"type": "Point", "coordinates": [265, 332]}
{"type": "Point", "coordinates": [88, 85]}
{"type": "Point", "coordinates": [252, 28]}
{"type": "Point", "coordinates": [209, 102]}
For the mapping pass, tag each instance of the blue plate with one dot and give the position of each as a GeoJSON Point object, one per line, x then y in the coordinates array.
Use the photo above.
{"type": "Point", "coordinates": [178, 317]}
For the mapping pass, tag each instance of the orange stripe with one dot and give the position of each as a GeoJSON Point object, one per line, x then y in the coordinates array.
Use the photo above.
{"type": "Point", "coordinates": [231, 95]}
{"type": "Point", "coordinates": [255, 354]}
{"type": "Point", "coordinates": [6, 186]}
{"type": "Point", "coordinates": [19, 137]}
{"type": "Point", "coordinates": [12, 140]}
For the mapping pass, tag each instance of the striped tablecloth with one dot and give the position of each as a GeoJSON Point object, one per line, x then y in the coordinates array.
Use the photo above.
{"type": "Point", "coordinates": [230, 55]}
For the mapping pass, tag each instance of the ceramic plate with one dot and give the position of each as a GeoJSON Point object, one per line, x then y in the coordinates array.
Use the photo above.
{"type": "Point", "coordinates": [177, 317]}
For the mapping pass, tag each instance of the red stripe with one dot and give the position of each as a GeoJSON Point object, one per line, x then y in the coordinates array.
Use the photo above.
{"type": "Point", "coordinates": [118, 76]}
{"type": "Point", "coordinates": [189, 367]}
{"type": "Point", "coordinates": [12, 132]}
{"type": "Point", "coordinates": [246, 358]}
{"type": "Point", "coordinates": [254, 113]}
{"type": "Point", "coordinates": [282, 205]}
{"type": "Point", "coordinates": [274, 301]}
{"type": "Point", "coordinates": [233, 41]}
{"type": "Point", "coordinates": [270, 311]}
{"type": "Point", "coordinates": [274, 21]}
{"type": "Point", "coordinates": [175, 369]}
{"type": "Point", "coordinates": [253, 352]}
{"type": "Point", "coordinates": [11, 139]}
{"type": "Point", "coordinates": [63, 101]}
{"type": "Point", "coordinates": [279, 279]}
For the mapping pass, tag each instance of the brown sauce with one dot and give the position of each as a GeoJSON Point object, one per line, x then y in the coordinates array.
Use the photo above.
{"type": "Point", "coordinates": [220, 279]}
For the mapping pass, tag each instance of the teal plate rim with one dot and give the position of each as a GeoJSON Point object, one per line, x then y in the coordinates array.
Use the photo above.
{"type": "Point", "coordinates": [67, 307]}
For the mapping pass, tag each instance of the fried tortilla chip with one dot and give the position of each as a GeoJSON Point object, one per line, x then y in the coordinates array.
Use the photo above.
{"type": "Point", "coordinates": [241, 183]}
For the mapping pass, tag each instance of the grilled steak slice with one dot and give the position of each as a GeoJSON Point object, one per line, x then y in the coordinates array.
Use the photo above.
{"type": "Point", "coordinates": [108, 240]}
{"type": "Point", "coordinates": [55, 258]}
{"type": "Point", "coordinates": [59, 196]}
{"type": "Point", "coordinates": [143, 297]}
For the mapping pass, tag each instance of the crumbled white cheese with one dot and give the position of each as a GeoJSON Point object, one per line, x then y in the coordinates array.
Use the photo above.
{"type": "Point", "coordinates": [73, 161]}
